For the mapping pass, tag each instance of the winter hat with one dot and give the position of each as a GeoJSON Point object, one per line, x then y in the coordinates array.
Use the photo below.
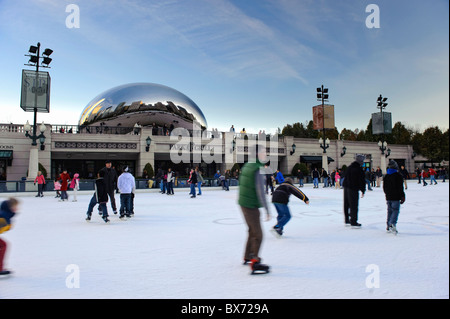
{"type": "Point", "coordinates": [76, 175]}
{"type": "Point", "coordinates": [360, 159]}
{"type": "Point", "coordinates": [393, 164]}
{"type": "Point", "coordinates": [126, 169]}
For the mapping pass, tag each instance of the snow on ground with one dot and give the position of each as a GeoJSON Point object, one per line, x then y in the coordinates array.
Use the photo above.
{"type": "Point", "coordinates": [178, 247]}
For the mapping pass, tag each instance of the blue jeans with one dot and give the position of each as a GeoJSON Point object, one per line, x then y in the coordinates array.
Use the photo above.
{"type": "Point", "coordinates": [284, 215]}
{"type": "Point", "coordinates": [432, 179]}
{"type": "Point", "coordinates": [199, 185]}
{"type": "Point", "coordinates": [325, 182]}
{"type": "Point", "coordinates": [125, 204]}
{"type": "Point", "coordinates": [192, 190]}
{"type": "Point", "coordinates": [92, 204]}
{"type": "Point", "coordinates": [316, 182]}
{"type": "Point", "coordinates": [393, 210]}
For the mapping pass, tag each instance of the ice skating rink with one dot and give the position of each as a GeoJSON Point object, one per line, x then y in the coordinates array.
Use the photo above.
{"type": "Point", "coordinates": [178, 247]}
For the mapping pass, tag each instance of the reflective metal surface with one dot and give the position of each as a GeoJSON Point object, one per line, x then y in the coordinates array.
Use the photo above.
{"type": "Point", "coordinates": [144, 104]}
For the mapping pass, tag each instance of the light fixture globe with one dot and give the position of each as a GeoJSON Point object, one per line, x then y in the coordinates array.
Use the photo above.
{"type": "Point", "coordinates": [144, 104]}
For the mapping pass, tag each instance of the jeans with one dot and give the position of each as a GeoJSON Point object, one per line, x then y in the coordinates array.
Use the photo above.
{"type": "Point", "coordinates": [316, 182]}
{"type": "Point", "coordinates": [199, 185]}
{"type": "Point", "coordinates": [368, 185]}
{"type": "Point", "coordinates": [192, 190]}
{"type": "Point", "coordinates": [169, 187]}
{"type": "Point", "coordinates": [284, 215]}
{"type": "Point", "coordinates": [393, 210]}
{"type": "Point", "coordinates": [125, 204]}
{"type": "Point", "coordinates": [300, 182]}
{"type": "Point", "coordinates": [325, 182]}
{"type": "Point", "coordinates": [92, 204]}
{"type": "Point", "coordinates": [432, 179]}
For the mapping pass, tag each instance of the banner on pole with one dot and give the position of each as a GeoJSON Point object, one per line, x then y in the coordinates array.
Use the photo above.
{"type": "Point", "coordinates": [35, 92]}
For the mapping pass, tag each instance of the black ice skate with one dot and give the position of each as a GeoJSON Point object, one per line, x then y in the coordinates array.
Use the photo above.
{"type": "Point", "coordinates": [105, 218]}
{"type": "Point", "coordinates": [5, 273]}
{"type": "Point", "coordinates": [258, 268]}
{"type": "Point", "coordinates": [88, 218]}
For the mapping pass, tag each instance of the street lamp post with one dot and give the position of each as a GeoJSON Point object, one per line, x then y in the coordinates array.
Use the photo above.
{"type": "Point", "coordinates": [381, 104]}
{"type": "Point", "coordinates": [35, 60]}
{"type": "Point", "coordinates": [322, 95]}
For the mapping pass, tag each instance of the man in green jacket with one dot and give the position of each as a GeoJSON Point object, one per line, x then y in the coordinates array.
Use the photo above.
{"type": "Point", "coordinates": [251, 198]}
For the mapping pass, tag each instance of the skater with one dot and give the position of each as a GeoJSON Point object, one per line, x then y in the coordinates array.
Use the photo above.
{"type": "Point", "coordinates": [7, 211]}
{"type": "Point", "coordinates": [127, 185]}
{"type": "Point", "coordinates": [423, 174]}
{"type": "Point", "coordinates": [353, 183]}
{"type": "Point", "coordinates": [57, 187]}
{"type": "Point", "coordinates": [279, 177]}
{"type": "Point", "coordinates": [280, 199]}
{"type": "Point", "coordinates": [193, 181]}
{"type": "Point", "coordinates": [337, 178]}
{"type": "Point", "coordinates": [404, 172]}
{"type": "Point", "coordinates": [315, 176]}
{"type": "Point", "coordinates": [170, 181]}
{"type": "Point", "coordinates": [110, 180]}
{"type": "Point", "coordinates": [432, 174]}
{"type": "Point", "coordinates": [395, 195]}
{"type": "Point", "coordinates": [199, 179]}
{"type": "Point", "coordinates": [100, 197]}
{"type": "Point", "coordinates": [75, 185]}
{"type": "Point", "coordinates": [251, 198]}
{"type": "Point", "coordinates": [268, 172]}
{"type": "Point", "coordinates": [41, 183]}
{"type": "Point", "coordinates": [64, 178]}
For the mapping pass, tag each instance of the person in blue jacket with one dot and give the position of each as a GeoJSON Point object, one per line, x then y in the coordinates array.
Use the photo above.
{"type": "Point", "coordinates": [279, 177]}
{"type": "Point", "coordinates": [7, 211]}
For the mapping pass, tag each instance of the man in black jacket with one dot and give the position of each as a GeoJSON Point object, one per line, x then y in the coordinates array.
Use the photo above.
{"type": "Point", "coordinates": [110, 180]}
{"type": "Point", "coordinates": [280, 199]}
{"type": "Point", "coordinates": [395, 195]}
{"type": "Point", "coordinates": [353, 183]}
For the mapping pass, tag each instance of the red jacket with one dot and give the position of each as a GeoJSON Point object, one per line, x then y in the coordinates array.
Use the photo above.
{"type": "Point", "coordinates": [39, 179]}
{"type": "Point", "coordinates": [431, 171]}
{"type": "Point", "coordinates": [64, 178]}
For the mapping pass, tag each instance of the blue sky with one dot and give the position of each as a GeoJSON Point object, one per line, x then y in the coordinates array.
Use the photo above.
{"type": "Point", "coordinates": [252, 63]}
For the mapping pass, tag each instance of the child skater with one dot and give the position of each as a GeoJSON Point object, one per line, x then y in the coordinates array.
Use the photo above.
{"type": "Point", "coordinates": [395, 195]}
{"type": "Point", "coordinates": [75, 185]}
{"type": "Point", "coordinates": [100, 197]}
{"type": "Point", "coordinates": [280, 199]}
{"type": "Point", "coordinates": [57, 185]}
{"type": "Point", "coordinates": [7, 211]}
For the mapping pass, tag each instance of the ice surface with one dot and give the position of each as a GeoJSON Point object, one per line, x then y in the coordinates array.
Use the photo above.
{"type": "Point", "coordinates": [178, 247]}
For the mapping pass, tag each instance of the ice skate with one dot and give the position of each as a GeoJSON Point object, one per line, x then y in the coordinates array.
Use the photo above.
{"type": "Point", "coordinates": [105, 218]}
{"type": "Point", "coordinates": [258, 268]}
{"type": "Point", "coordinates": [393, 229]}
{"type": "Point", "coordinates": [277, 232]}
{"type": "Point", "coordinates": [5, 273]}
{"type": "Point", "coordinates": [88, 218]}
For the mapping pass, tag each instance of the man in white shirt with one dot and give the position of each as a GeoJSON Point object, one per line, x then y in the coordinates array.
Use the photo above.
{"type": "Point", "coordinates": [126, 184]}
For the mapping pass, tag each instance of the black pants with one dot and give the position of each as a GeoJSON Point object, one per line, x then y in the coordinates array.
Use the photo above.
{"type": "Point", "coordinates": [351, 200]}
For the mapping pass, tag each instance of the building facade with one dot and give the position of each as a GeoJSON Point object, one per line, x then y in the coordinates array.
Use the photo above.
{"type": "Point", "coordinates": [84, 151]}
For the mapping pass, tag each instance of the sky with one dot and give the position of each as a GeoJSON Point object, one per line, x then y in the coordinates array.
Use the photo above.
{"type": "Point", "coordinates": [254, 64]}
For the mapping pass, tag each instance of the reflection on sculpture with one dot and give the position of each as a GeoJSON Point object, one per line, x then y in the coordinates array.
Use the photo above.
{"type": "Point", "coordinates": [142, 103]}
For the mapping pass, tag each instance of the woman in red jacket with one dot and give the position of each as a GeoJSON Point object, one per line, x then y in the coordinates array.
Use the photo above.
{"type": "Point", "coordinates": [41, 182]}
{"type": "Point", "coordinates": [65, 179]}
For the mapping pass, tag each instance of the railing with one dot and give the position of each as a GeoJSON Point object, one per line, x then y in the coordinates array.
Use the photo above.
{"type": "Point", "coordinates": [89, 185]}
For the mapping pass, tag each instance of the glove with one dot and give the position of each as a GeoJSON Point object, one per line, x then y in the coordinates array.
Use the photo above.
{"type": "Point", "coordinates": [4, 226]}
{"type": "Point", "coordinates": [402, 200]}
